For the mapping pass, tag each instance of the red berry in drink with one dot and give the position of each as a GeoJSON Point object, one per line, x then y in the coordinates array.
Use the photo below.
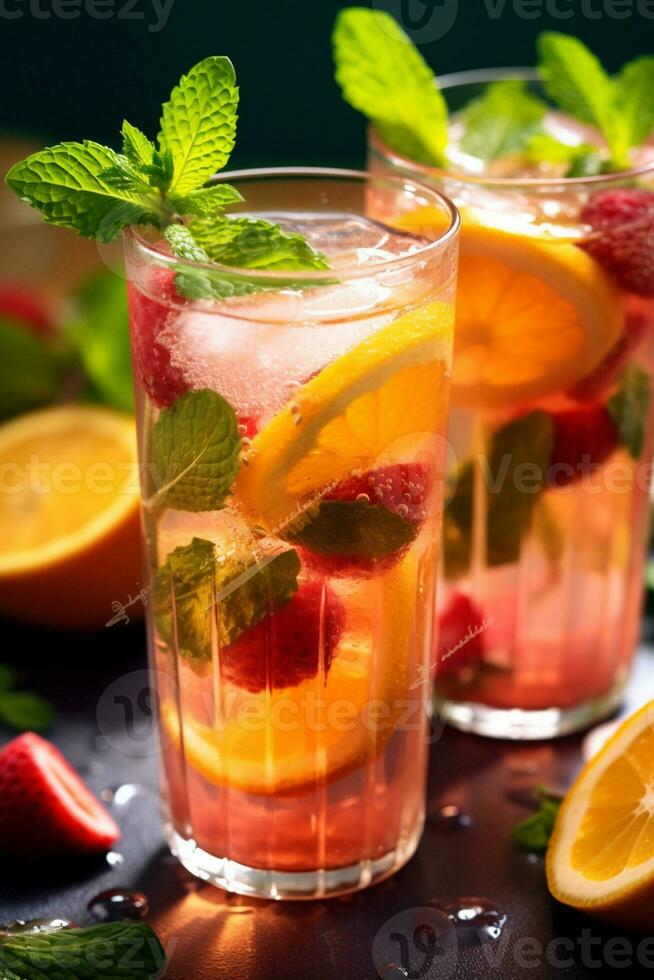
{"type": "Point", "coordinates": [584, 438]}
{"type": "Point", "coordinates": [460, 636]}
{"type": "Point", "coordinates": [622, 239]}
{"type": "Point", "coordinates": [161, 380]}
{"type": "Point", "coordinates": [608, 370]}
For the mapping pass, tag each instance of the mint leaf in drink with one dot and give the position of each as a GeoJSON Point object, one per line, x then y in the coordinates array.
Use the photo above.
{"type": "Point", "coordinates": [198, 123]}
{"type": "Point", "coordinates": [252, 243]}
{"type": "Point", "coordinates": [533, 834]}
{"type": "Point", "coordinates": [634, 88]}
{"type": "Point", "coordinates": [32, 369]}
{"type": "Point", "coordinates": [629, 408]}
{"type": "Point", "coordinates": [342, 527]}
{"type": "Point", "coordinates": [384, 76]}
{"type": "Point", "coordinates": [237, 593]}
{"type": "Point", "coordinates": [129, 950]}
{"type": "Point", "coordinates": [194, 451]}
{"type": "Point", "coordinates": [501, 120]}
{"type": "Point", "coordinates": [24, 711]}
{"type": "Point", "coordinates": [65, 184]}
{"type": "Point", "coordinates": [99, 332]}
{"type": "Point", "coordinates": [511, 475]}
{"type": "Point", "coordinates": [208, 201]}
{"type": "Point", "coordinates": [196, 282]}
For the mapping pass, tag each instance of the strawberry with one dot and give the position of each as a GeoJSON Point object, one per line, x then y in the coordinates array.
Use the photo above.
{"type": "Point", "coordinates": [401, 488]}
{"type": "Point", "coordinates": [622, 240]}
{"type": "Point", "coordinates": [607, 371]}
{"type": "Point", "coordinates": [584, 437]}
{"type": "Point", "coordinates": [284, 649]}
{"type": "Point", "coordinates": [45, 807]}
{"type": "Point", "coordinates": [148, 317]}
{"type": "Point", "coordinates": [24, 303]}
{"type": "Point", "coordinates": [460, 635]}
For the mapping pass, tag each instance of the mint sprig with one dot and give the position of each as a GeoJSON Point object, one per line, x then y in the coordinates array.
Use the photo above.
{"type": "Point", "coordinates": [129, 950]}
{"type": "Point", "coordinates": [629, 409]}
{"type": "Point", "coordinates": [343, 527]}
{"type": "Point", "coordinates": [533, 834]}
{"type": "Point", "coordinates": [501, 121]}
{"type": "Point", "coordinates": [22, 710]}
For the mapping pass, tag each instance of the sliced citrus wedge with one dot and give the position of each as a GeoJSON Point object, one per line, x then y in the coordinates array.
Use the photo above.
{"type": "Point", "coordinates": [601, 854]}
{"type": "Point", "coordinates": [353, 414]}
{"type": "Point", "coordinates": [319, 727]}
{"type": "Point", "coordinates": [69, 516]}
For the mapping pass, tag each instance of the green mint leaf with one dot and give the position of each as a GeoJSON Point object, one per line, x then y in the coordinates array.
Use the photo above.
{"type": "Point", "coordinates": [513, 473]}
{"type": "Point", "coordinates": [208, 201]}
{"type": "Point", "coordinates": [533, 834]}
{"type": "Point", "coordinates": [25, 711]}
{"type": "Point", "coordinates": [341, 527]}
{"type": "Point", "coordinates": [160, 171]}
{"type": "Point", "coordinates": [635, 99]}
{"type": "Point", "coordinates": [583, 159]}
{"type": "Point", "coordinates": [129, 950]}
{"type": "Point", "coordinates": [384, 76]}
{"type": "Point", "coordinates": [575, 80]}
{"type": "Point", "coordinates": [194, 452]}
{"type": "Point", "coordinates": [252, 243]}
{"type": "Point", "coordinates": [124, 175]}
{"type": "Point", "coordinates": [32, 370]}
{"type": "Point", "coordinates": [136, 145]}
{"type": "Point", "coordinates": [629, 408]}
{"type": "Point", "coordinates": [64, 183]}
{"type": "Point", "coordinates": [240, 593]}
{"type": "Point", "coordinates": [501, 121]}
{"type": "Point", "coordinates": [184, 245]}
{"type": "Point", "coordinates": [201, 283]}
{"type": "Point", "coordinates": [198, 123]}
{"type": "Point", "coordinates": [100, 334]}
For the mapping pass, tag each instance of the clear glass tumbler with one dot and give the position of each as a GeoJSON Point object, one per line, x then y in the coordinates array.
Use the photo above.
{"type": "Point", "coordinates": [292, 446]}
{"type": "Point", "coordinates": [551, 433]}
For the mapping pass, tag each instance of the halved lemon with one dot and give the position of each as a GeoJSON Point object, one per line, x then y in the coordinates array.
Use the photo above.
{"type": "Point", "coordinates": [353, 414]}
{"type": "Point", "coordinates": [533, 316]}
{"type": "Point", "coordinates": [69, 516]}
{"type": "Point", "coordinates": [321, 727]}
{"type": "Point", "coordinates": [601, 854]}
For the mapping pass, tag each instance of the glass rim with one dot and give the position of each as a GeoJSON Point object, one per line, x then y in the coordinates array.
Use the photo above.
{"type": "Point", "coordinates": [479, 76]}
{"type": "Point", "coordinates": [317, 276]}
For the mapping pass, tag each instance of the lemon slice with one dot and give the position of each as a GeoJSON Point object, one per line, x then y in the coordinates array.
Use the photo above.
{"type": "Point", "coordinates": [601, 854]}
{"type": "Point", "coordinates": [354, 413]}
{"type": "Point", "coordinates": [304, 735]}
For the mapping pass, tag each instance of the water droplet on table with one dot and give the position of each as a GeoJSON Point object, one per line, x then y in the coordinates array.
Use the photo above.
{"type": "Point", "coordinates": [115, 904]}
{"type": "Point", "coordinates": [114, 859]}
{"type": "Point", "coordinates": [475, 920]}
{"type": "Point", "coordinates": [449, 817]}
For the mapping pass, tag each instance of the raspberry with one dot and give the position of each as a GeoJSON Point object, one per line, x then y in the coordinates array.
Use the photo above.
{"type": "Point", "coordinates": [584, 438]}
{"type": "Point", "coordinates": [460, 636]}
{"type": "Point", "coordinates": [609, 368]}
{"type": "Point", "coordinates": [622, 242]}
{"type": "Point", "coordinates": [148, 317]}
{"type": "Point", "coordinates": [284, 649]}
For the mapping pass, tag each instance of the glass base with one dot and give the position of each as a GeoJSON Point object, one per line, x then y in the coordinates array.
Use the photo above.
{"type": "Point", "coordinates": [525, 724]}
{"type": "Point", "coordinates": [261, 883]}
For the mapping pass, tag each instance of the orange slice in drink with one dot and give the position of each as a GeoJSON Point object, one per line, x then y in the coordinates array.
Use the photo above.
{"type": "Point", "coordinates": [601, 854]}
{"type": "Point", "coordinates": [69, 516]}
{"type": "Point", "coordinates": [321, 727]}
{"type": "Point", "coordinates": [355, 414]}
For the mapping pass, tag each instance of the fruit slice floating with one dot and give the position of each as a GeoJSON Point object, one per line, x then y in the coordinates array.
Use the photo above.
{"type": "Point", "coordinates": [601, 854]}
{"type": "Point", "coordinates": [374, 402]}
{"type": "Point", "coordinates": [304, 738]}
{"type": "Point", "coordinates": [533, 318]}
{"type": "Point", "coordinates": [45, 807]}
{"type": "Point", "coordinates": [69, 516]}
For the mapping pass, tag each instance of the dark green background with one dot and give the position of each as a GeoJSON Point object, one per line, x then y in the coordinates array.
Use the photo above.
{"type": "Point", "coordinates": [68, 79]}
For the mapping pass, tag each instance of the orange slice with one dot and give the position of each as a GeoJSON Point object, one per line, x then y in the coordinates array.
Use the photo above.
{"type": "Point", "coordinates": [601, 855]}
{"type": "Point", "coordinates": [69, 516]}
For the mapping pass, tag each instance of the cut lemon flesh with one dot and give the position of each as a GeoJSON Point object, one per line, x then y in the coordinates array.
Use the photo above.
{"type": "Point", "coordinates": [353, 414]}
{"type": "Point", "coordinates": [601, 855]}
{"type": "Point", "coordinates": [320, 727]}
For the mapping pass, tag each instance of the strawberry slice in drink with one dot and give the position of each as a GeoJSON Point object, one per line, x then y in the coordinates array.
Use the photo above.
{"type": "Point", "coordinates": [45, 807]}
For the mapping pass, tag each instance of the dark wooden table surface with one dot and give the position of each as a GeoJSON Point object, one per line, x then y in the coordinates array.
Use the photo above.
{"type": "Point", "coordinates": [211, 935]}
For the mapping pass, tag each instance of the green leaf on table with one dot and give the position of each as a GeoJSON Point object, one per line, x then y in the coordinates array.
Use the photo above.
{"type": "Point", "coordinates": [194, 453]}
{"type": "Point", "coordinates": [533, 834]}
{"type": "Point", "coordinates": [100, 334]}
{"type": "Point", "coordinates": [343, 527]}
{"type": "Point", "coordinates": [31, 369]}
{"type": "Point", "coordinates": [635, 99]}
{"type": "Point", "coordinates": [382, 74]}
{"type": "Point", "coordinates": [198, 123]}
{"type": "Point", "coordinates": [511, 475]}
{"type": "Point", "coordinates": [64, 183]}
{"type": "Point", "coordinates": [501, 120]}
{"type": "Point", "coordinates": [129, 950]}
{"type": "Point", "coordinates": [629, 408]}
{"type": "Point", "coordinates": [25, 711]}
{"type": "Point", "coordinates": [191, 584]}
{"type": "Point", "coordinates": [208, 201]}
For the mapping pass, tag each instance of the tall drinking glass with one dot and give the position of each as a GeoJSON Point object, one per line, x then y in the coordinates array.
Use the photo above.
{"type": "Point", "coordinates": [545, 526]}
{"type": "Point", "coordinates": [291, 438]}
